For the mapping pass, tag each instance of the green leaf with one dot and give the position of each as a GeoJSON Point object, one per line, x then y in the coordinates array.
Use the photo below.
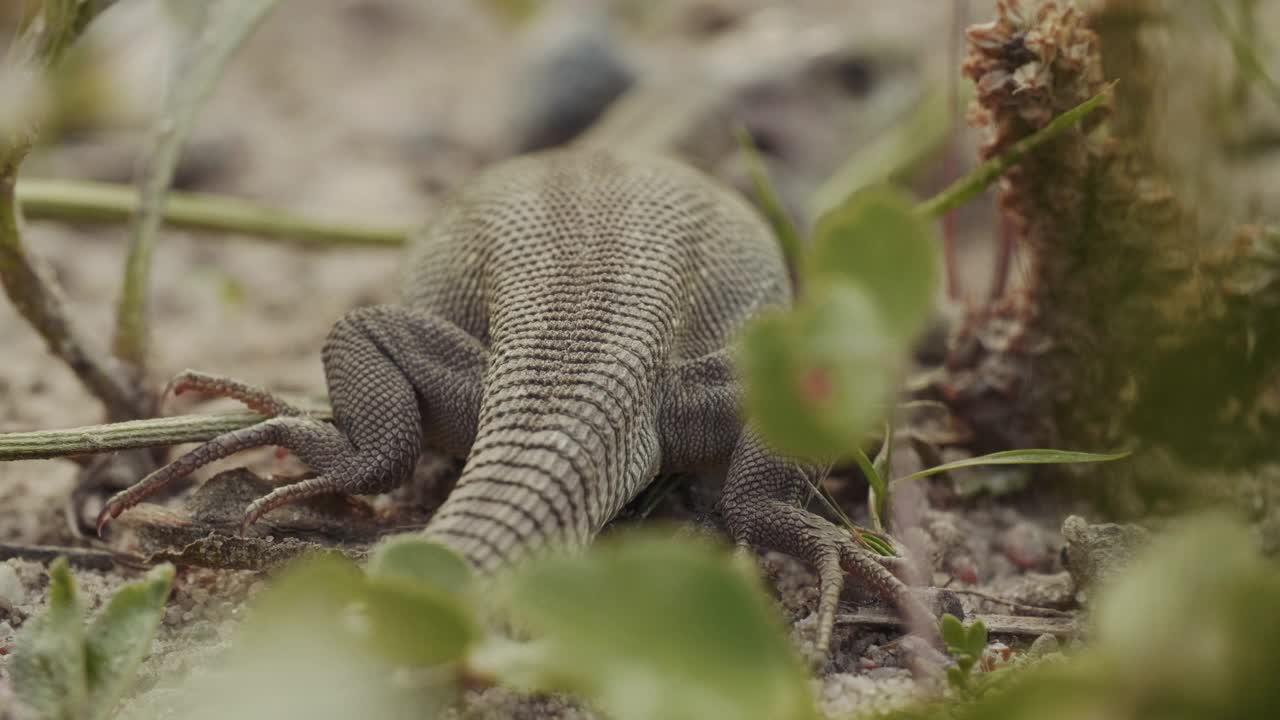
{"type": "Point", "coordinates": [653, 629]}
{"type": "Point", "coordinates": [816, 376]}
{"type": "Point", "coordinates": [976, 639]}
{"type": "Point", "coordinates": [317, 590]}
{"type": "Point", "coordinates": [877, 544]}
{"type": "Point", "coordinates": [953, 633]}
{"type": "Point", "coordinates": [877, 241]}
{"type": "Point", "coordinates": [308, 650]}
{"type": "Point", "coordinates": [877, 491]}
{"type": "Point", "coordinates": [1018, 457]}
{"type": "Point", "coordinates": [48, 666]}
{"type": "Point", "coordinates": [120, 636]}
{"type": "Point", "coordinates": [420, 562]}
{"type": "Point", "coordinates": [416, 625]}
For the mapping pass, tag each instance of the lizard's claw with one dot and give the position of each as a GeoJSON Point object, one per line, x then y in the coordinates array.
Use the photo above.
{"type": "Point", "coordinates": [318, 442]}
{"type": "Point", "coordinates": [834, 554]}
{"type": "Point", "coordinates": [255, 398]}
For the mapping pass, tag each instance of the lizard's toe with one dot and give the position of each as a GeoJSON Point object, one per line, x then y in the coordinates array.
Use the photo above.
{"type": "Point", "coordinates": [285, 494]}
{"type": "Point", "coordinates": [255, 398]}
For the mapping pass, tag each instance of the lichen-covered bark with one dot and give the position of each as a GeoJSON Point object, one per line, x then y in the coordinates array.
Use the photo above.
{"type": "Point", "coordinates": [1131, 320]}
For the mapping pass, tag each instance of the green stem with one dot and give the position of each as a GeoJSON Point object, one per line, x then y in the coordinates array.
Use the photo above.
{"type": "Point", "coordinates": [771, 204]}
{"type": "Point", "coordinates": [96, 202]}
{"type": "Point", "coordinates": [128, 435]}
{"type": "Point", "coordinates": [980, 178]}
{"type": "Point", "coordinates": [28, 284]}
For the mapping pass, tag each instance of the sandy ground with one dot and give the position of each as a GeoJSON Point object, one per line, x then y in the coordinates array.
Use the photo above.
{"type": "Point", "coordinates": [366, 110]}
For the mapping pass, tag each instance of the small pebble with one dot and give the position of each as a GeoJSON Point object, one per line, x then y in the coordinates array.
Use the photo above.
{"type": "Point", "coordinates": [11, 590]}
{"type": "Point", "coordinates": [1026, 546]}
{"type": "Point", "coordinates": [1044, 645]}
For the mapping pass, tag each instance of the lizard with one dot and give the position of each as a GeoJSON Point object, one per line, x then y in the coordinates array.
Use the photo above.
{"type": "Point", "coordinates": [567, 325]}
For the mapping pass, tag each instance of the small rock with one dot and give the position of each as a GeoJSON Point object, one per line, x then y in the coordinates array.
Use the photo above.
{"type": "Point", "coordinates": [888, 673]}
{"type": "Point", "coordinates": [12, 591]}
{"type": "Point", "coordinates": [1096, 553]}
{"type": "Point", "coordinates": [1056, 590]}
{"type": "Point", "coordinates": [1043, 646]}
{"type": "Point", "coordinates": [572, 70]}
{"type": "Point", "coordinates": [1026, 546]}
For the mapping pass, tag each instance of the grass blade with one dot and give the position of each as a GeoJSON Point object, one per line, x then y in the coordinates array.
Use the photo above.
{"type": "Point", "coordinates": [1018, 457]}
{"type": "Point", "coordinates": [216, 30]}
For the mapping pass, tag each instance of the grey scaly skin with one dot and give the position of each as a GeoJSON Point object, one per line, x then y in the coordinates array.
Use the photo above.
{"type": "Point", "coordinates": [566, 326]}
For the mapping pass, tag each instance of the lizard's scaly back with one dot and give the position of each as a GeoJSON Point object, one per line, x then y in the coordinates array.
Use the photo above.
{"type": "Point", "coordinates": [587, 275]}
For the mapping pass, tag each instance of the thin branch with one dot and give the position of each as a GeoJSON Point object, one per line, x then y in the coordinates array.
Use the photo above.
{"type": "Point", "coordinates": [1020, 608]}
{"type": "Point", "coordinates": [979, 179]}
{"type": "Point", "coordinates": [1063, 627]}
{"type": "Point", "coordinates": [96, 202]}
{"type": "Point", "coordinates": [26, 281]}
{"type": "Point", "coordinates": [128, 435]}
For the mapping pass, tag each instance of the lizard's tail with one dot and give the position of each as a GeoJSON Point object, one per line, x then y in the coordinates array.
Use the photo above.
{"type": "Point", "coordinates": [556, 456]}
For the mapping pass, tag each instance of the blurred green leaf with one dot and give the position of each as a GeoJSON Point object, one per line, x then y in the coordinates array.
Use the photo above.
{"type": "Point", "coordinates": [421, 562]}
{"type": "Point", "coordinates": [1193, 620]}
{"type": "Point", "coordinates": [318, 588]}
{"type": "Point", "coordinates": [653, 629]}
{"type": "Point", "coordinates": [1190, 631]}
{"type": "Point", "coordinates": [816, 377]}
{"type": "Point", "coordinates": [418, 626]}
{"type": "Point", "coordinates": [120, 637]}
{"type": "Point", "coordinates": [415, 602]}
{"type": "Point", "coordinates": [1017, 457]}
{"type": "Point", "coordinates": [48, 666]}
{"type": "Point", "coordinates": [514, 12]}
{"type": "Point", "coordinates": [976, 639]}
{"type": "Point", "coordinates": [877, 241]}
{"type": "Point", "coordinates": [953, 633]}
{"type": "Point", "coordinates": [310, 648]}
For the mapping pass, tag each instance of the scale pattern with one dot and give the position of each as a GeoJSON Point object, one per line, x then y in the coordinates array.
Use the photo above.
{"type": "Point", "coordinates": [566, 326]}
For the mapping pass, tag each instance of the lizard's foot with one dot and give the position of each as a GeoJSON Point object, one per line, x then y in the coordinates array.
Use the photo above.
{"type": "Point", "coordinates": [834, 554]}
{"type": "Point", "coordinates": [340, 467]}
{"type": "Point", "coordinates": [384, 366]}
{"type": "Point", "coordinates": [255, 398]}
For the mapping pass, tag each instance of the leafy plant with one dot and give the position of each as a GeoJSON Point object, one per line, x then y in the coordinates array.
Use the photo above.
{"type": "Point", "coordinates": [965, 645]}
{"type": "Point", "coordinates": [61, 669]}
{"type": "Point", "coordinates": [817, 375]}
{"type": "Point", "coordinates": [647, 628]}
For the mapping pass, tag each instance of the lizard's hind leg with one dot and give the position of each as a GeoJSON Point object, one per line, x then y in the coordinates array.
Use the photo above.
{"type": "Point", "coordinates": [392, 373]}
{"type": "Point", "coordinates": [764, 493]}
